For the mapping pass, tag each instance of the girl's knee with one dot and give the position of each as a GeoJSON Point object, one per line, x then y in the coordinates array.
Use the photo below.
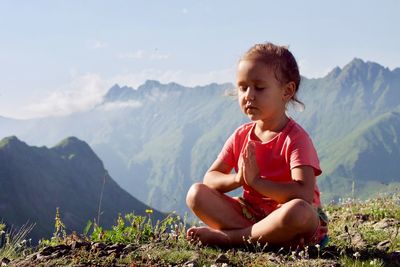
{"type": "Point", "coordinates": [194, 195]}
{"type": "Point", "coordinates": [297, 213]}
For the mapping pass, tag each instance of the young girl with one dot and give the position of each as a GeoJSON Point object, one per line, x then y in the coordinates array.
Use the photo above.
{"type": "Point", "coordinates": [275, 163]}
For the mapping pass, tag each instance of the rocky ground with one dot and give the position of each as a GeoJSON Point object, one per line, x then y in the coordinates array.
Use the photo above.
{"type": "Point", "coordinates": [361, 234]}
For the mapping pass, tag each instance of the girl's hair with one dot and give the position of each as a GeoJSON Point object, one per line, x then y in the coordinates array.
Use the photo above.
{"type": "Point", "coordinates": [281, 60]}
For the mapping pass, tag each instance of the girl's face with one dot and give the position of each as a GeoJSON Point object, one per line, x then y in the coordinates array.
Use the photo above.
{"type": "Point", "coordinates": [261, 95]}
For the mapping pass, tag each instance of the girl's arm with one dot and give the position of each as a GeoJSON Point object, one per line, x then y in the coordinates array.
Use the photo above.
{"type": "Point", "coordinates": [219, 177]}
{"type": "Point", "coordinates": [302, 185]}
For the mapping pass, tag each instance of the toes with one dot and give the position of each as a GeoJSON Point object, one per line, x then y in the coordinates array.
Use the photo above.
{"type": "Point", "coordinates": [191, 233]}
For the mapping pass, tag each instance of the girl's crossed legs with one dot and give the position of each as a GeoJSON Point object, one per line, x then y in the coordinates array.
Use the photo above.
{"type": "Point", "coordinates": [285, 226]}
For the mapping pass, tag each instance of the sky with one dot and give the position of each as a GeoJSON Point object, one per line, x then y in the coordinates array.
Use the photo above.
{"type": "Point", "coordinates": [59, 57]}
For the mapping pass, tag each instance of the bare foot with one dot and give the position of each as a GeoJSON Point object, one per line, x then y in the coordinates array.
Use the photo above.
{"type": "Point", "coordinates": [207, 236]}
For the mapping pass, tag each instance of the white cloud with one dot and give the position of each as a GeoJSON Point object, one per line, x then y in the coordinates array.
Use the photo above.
{"type": "Point", "coordinates": [121, 105]}
{"type": "Point", "coordinates": [139, 54]}
{"type": "Point", "coordinates": [97, 44]}
{"type": "Point", "coordinates": [86, 91]}
{"type": "Point", "coordinates": [157, 55]}
{"type": "Point", "coordinates": [82, 93]}
{"type": "Point", "coordinates": [142, 54]}
{"type": "Point", "coordinates": [185, 11]}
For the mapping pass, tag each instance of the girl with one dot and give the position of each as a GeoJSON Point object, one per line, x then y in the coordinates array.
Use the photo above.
{"type": "Point", "coordinates": [275, 163]}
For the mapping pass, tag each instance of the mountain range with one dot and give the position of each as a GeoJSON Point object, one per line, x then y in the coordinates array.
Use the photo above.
{"type": "Point", "coordinates": [34, 181]}
{"type": "Point", "coordinates": [157, 139]}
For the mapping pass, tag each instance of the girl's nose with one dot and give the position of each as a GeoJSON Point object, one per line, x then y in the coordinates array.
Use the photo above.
{"type": "Point", "coordinates": [249, 93]}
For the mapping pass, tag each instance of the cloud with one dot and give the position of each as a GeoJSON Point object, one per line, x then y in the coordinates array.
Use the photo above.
{"type": "Point", "coordinates": [157, 55]}
{"type": "Point", "coordinates": [139, 54]}
{"type": "Point", "coordinates": [142, 54]}
{"type": "Point", "coordinates": [85, 92]}
{"type": "Point", "coordinates": [82, 93]}
{"type": "Point", "coordinates": [121, 105]}
{"type": "Point", "coordinates": [185, 11]}
{"type": "Point", "coordinates": [97, 44]}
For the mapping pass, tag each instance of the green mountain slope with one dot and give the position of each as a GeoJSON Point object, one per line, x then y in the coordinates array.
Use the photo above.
{"type": "Point", "coordinates": [36, 180]}
{"type": "Point", "coordinates": [158, 139]}
{"type": "Point", "coordinates": [368, 156]}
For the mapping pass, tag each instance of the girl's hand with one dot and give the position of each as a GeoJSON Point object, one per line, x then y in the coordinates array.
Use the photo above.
{"type": "Point", "coordinates": [250, 170]}
{"type": "Point", "coordinates": [239, 176]}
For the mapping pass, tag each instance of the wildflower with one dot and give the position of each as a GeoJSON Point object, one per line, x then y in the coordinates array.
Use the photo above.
{"type": "Point", "coordinates": [149, 211]}
{"type": "Point", "coordinates": [357, 254]}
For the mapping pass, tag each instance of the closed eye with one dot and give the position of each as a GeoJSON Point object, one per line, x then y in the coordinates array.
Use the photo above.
{"type": "Point", "coordinates": [242, 88]}
{"type": "Point", "coordinates": [259, 88]}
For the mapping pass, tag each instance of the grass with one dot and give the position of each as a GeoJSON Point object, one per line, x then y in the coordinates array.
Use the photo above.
{"type": "Point", "coordinates": [354, 237]}
{"type": "Point", "coordinates": [13, 242]}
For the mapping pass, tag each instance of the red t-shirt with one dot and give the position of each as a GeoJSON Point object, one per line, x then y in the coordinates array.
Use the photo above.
{"type": "Point", "coordinates": [290, 148]}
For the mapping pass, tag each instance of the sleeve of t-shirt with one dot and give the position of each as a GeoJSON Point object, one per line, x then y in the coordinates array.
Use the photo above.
{"type": "Point", "coordinates": [303, 153]}
{"type": "Point", "coordinates": [227, 152]}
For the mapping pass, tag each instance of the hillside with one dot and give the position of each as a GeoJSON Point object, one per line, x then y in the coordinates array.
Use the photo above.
{"type": "Point", "coordinates": [157, 139]}
{"type": "Point", "coordinates": [367, 156]}
{"type": "Point", "coordinates": [34, 181]}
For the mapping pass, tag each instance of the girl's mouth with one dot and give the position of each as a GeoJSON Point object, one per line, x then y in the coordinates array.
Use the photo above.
{"type": "Point", "coordinates": [250, 109]}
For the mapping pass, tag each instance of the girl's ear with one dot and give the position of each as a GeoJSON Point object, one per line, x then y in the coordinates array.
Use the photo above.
{"type": "Point", "coordinates": [289, 91]}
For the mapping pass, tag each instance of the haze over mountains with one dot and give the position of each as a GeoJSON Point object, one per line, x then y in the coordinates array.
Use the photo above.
{"type": "Point", "coordinates": [158, 139]}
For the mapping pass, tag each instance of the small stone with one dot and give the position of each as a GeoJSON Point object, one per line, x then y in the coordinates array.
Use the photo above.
{"type": "Point", "coordinates": [191, 264]}
{"type": "Point", "coordinates": [56, 254]}
{"type": "Point", "coordinates": [358, 242]}
{"type": "Point", "coordinates": [115, 247]}
{"type": "Point", "coordinates": [42, 257]}
{"type": "Point", "coordinates": [32, 257]}
{"type": "Point", "coordinates": [385, 223]}
{"type": "Point", "coordinates": [129, 248]}
{"type": "Point", "coordinates": [77, 245]}
{"type": "Point", "coordinates": [61, 247]}
{"type": "Point", "coordinates": [98, 246]}
{"type": "Point", "coordinates": [384, 245]}
{"type": "Point", "coordinates": [361, 217]}
{"type": "Point", "coordinates": [5, 262]}
{"type": "Point", "coordinates": [47, 251]}
{"type": "Point", "coordinates": [103, 253]}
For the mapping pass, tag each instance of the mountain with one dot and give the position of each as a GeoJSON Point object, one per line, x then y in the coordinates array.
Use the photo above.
{"type": "Point", "coordinates": [367, 156]}
{"type": "Point", "coordinates": [157, 139]}
{"type": "Point", "coordinates": [36, 180]}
